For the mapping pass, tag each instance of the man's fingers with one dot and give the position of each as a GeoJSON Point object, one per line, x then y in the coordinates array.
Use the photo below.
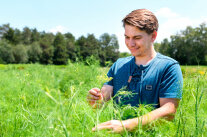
{"type": "Point", "coordinates": [105, 125]}
{"type": "Point", "coordinates": [92, 101]}
{"type": "Point", "coordinates": [92, 97]}
{"type": "Point", "coordinates": [96, 89]}
{"type": "Point", "coordinates": [115, 126]}
{"type": "Point", "coordinates": [102, 127]}
{"type": "Point", "coordinates": [95, 97]}
{"type": "Point", "coordinates": [95, 92]}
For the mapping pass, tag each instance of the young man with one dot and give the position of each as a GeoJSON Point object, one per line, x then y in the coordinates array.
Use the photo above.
{"type": "Point", "coordinates": [153, 78]}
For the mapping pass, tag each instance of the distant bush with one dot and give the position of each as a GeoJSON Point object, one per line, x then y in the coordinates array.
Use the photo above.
{"type": "Point", "coordinates": [124, 54]}
{"type": "Point", "coordinates": [34, 52]}
{"type": "Point", "coordinates": [6, 55]}
{"type": "Point", "coordinates": [20, 54]}
{"type": "Point", "coordinates": [91, 60]}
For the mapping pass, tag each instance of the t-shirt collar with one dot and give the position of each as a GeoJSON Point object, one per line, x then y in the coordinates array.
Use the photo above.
{"type": "Point", "coordinates": [144, 66]}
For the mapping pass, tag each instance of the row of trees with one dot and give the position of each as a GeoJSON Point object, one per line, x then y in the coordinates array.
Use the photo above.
{"type": "Point", "coordinates": [31, 46]}
{"type": "Point", "coordinates": [189, 47]}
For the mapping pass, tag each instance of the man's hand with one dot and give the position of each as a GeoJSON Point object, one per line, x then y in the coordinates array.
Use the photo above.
{"type": "Point", "coordinates": [95, 97]}
{"type": "Point", "coordinates": [115, 126]}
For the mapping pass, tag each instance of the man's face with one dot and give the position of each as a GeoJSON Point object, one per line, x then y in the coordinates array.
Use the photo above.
{"type": "Point", "coordinates": [138, 42]}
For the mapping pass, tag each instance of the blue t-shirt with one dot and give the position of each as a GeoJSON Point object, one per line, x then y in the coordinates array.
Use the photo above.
{"type": "Point", "coordinates": [160, 78]}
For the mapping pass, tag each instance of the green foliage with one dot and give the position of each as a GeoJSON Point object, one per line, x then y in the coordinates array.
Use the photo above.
{"type": "Point", "coordinates": [157, 46]}
{"type": "Point", "coordinates": [88, 46]}
{"type": "Point", "coordinates": [3, 30]}
{"type": "Point", "coordinates": [70, 45]}
{"type": "Point", "coordinates": [20, 54]}
{"type": "Point", "coordinates": [60, 50]}
{"type": "Point", "coordinates": [6, 54]}
{"type": "Point", "coordinates": [35, 36]}
{"type": "Point", "coordinates": [124, 54]}
{"type": "Point", "coordinates": [109, 49]}
{"type": "Point", "coordinates": [91, 61]}
{"type": "Point", "coordinates": [34, 52]}
{"type": "Point", "coordinates": [26, 36]}
{"type": "Point", "coordinates": [9, 35]}
{"type": "Point", "coordinates": [189, 47]}
{"type": "Point", "coordinates": [47, 48]}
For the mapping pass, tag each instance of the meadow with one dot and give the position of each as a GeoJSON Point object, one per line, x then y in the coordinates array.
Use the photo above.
{"type": "Point", "coordinates": [45, 101]}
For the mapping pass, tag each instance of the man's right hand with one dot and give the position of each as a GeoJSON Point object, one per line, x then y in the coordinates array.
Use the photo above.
{"type": "Point", "coordinates": [95, 97]}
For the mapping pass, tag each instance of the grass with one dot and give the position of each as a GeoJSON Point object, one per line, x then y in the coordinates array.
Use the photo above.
{"type": "Point", "coordinates": [38, 100]}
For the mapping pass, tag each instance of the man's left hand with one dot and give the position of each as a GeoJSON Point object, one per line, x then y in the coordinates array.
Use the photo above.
{"type": "Point", "coordinates": [115, 126]}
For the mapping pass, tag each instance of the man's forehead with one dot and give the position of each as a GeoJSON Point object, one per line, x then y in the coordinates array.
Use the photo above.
{"type": "Point", "coordinates": [135, 33]}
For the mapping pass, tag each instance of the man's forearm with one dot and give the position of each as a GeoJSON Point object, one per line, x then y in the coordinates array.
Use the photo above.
{"type": "Point", "coordinates": [165, 111]}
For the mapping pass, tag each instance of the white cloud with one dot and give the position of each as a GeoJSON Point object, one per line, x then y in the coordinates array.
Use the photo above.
{"type": "Point", "coordinates": [59, 28]}
{"type": "Point", "coordinates": [205, 20]}
{"type": "Point", "coordinates": [171, 23]}
{"type": "Point", "coordinates": [172, 26]}
{"type": "Point", "coordinates": [166, 13]}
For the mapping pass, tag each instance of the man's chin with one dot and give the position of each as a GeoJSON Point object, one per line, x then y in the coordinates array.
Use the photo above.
{"type": "Point", "coordinates": [136, 54]}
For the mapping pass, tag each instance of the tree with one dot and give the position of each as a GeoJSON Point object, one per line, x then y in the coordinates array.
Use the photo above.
{"type": "Point", "coordinates": [20, 54]}
{"type": "Point", "coordinates": [6, 54]}
{"type": "Point", "coordinates": [9, 35]}
{"type": "Point", "coordinates": [17, 37]}
{"type": "Point", "coordinates": [60, 51]}
{"type": "Point", "coordinates": [124, 54]}
{"type": "Point", "coordinates": [88, 46]}
{"type": "Point", "coordinates": [109, 48]}
{"type": "Point", "coordinates": [70, 45]}
{"type": "Point", "coordinates": [189, 47]}
{"type": "Point", "coordinates": [35, 36]}
{"type": "Point", "coordinates": [26, 36]}
{"type": "Point", "coordinates": [47, 48]}
{"type": "Point", "coordinates": [164, 47]}
{"type": "Point", "coordinates": [157, 46]}
{"type": "Point", "coordinates": [79, 44]}
{"type": "Point", "coordinates": [34, 52]}
{"type": "Point", "coordinates": [4, 29]}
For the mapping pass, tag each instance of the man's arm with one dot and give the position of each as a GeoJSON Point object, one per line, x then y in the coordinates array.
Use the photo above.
{"type": "Point", "coordinates": [167, 108]}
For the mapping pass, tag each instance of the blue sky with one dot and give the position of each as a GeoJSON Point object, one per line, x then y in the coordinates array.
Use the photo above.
{"type": "Point", "coordinates": [81, 17]}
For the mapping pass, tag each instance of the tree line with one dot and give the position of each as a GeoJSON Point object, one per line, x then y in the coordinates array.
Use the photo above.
{"type": "Point", "coordinates": [32, 46]}
{"type": "Point", "coordinates": [189, 46]}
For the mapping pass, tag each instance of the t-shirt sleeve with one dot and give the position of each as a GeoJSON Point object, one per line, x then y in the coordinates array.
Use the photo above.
{"type": "Point", "coordinates": [110, 75]}
{"type": "Point", "coordinates": [171, 83]}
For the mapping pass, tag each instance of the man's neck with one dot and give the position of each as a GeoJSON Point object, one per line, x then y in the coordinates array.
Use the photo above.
{"type": "Point", "coordinates": [144, 60]}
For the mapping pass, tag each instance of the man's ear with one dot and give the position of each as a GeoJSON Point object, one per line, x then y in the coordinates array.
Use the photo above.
{"type": "Point", "coordinates": [154, 35]}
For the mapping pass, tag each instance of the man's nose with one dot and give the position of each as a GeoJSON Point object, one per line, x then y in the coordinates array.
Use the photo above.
{"type": "Point", "coordinates": [131, 43]}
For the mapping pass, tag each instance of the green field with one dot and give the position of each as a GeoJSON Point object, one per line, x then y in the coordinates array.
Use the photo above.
{"type": "Point", "coordinates": [38, 100]}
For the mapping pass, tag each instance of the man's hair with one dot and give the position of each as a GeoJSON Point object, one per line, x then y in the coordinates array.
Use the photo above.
{"type": "Point", "coordinates": [143, 19]}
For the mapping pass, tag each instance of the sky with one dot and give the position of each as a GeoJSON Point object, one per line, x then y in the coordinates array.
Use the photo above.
{"type": "Point", "coordinates": [83, 17]}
